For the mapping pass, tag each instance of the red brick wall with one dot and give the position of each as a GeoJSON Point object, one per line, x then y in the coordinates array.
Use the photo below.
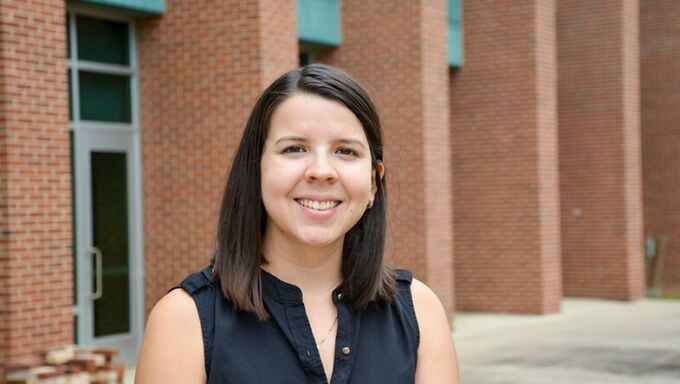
{"type": "Point", "coordinates": [278, 50]}
{"type": "Point", "coordinates": [202, 65]}
{"type": "Point", "coordinates": [660, 76]}
{"type": "Point", "coordinates": [600, 169]}
{"type": "Point", "coordinates": [504, 149]}
{"type": "Point", "coordinates": [398, 52]}
{"type": "Point", "coordinates": [35, 180]}
{"type": "Point", "coordinates": [436, 131]}
{"type": "Point", "coordinates": [550, 261]}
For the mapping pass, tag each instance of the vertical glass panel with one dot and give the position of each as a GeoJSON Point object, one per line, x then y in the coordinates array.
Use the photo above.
{"type": "Point", "coordinates": [104, 41]}
{"type": "Point", "coordinates": [104, 97]}
{"type": "Point", "coordinates": [306, 58]}
{"type": "Point", "coordinates": [110, 235]}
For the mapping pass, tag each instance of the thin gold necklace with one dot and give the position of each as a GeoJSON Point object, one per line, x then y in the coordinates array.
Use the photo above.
{"type": "Point", "coordinates": [320, 343]}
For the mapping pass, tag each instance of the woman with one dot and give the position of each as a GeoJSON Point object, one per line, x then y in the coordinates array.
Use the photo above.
{"type": "Point", "coordinates": [298, 290]}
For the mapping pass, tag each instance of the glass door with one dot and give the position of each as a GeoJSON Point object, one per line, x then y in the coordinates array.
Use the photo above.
{"type": "Point", "coordinates": [108, 257]}
{"type": "Point", "coordinates": [108, 291]}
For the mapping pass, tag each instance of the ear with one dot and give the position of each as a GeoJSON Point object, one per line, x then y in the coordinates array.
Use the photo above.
{"type": "Point", "coordinates": [381, 171]}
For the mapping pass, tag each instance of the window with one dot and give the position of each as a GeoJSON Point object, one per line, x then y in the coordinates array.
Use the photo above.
{"type": "Point", "coordinates": [99, 54]}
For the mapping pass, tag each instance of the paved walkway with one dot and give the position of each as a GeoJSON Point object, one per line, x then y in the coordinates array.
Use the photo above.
{"type": "Point", "coordinates": [590, 341]}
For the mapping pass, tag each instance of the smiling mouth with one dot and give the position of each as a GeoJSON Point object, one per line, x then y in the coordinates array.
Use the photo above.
{"type": "Point", "coordinates": [318, 205]}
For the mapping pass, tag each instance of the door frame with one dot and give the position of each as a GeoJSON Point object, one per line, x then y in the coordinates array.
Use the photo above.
{"type": "Point", "coordinates": [84, 135]}
{"type": "Point", "coordinates": [118, 142]}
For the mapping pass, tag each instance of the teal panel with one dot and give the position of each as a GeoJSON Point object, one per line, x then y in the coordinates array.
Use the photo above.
{"type": "Point", "coordinates": [319, 22]}
{"type": "Point", "coordinates": [455, 34]}
{"type": "Point", "coordinates": [105, 97]}
{"type": "Point", "coordinates": [104, 41]}
{"type": "Point", "coordinates": [145, 6]}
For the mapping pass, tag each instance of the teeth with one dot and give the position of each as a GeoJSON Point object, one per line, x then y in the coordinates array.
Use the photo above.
{"type": "Point", "coordinates": [318, 205]}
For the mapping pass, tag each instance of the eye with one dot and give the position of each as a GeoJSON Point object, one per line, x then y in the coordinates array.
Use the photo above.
{"type": "Point", "coordinates": [294, 149]}
{"type": "Point", "coordinates": [346, 152]}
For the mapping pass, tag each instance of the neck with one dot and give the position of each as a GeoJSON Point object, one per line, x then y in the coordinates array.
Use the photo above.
{"type": "Point", "coordinates": [313, 269]}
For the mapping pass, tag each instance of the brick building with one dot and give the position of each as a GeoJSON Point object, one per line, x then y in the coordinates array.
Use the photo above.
{"type": "Point", "coordinates": [532, 147]}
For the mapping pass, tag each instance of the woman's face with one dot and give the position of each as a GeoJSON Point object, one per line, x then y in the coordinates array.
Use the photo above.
{"type": "Point", "coordinates": [316, 171]}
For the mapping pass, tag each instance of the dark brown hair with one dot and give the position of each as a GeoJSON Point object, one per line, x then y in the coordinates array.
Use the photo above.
{"type": "Point", "coordinates": [243, 219]}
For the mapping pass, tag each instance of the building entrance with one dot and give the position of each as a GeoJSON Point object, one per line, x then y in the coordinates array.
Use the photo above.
{"type": "Point", "coordinates": [108, 257]}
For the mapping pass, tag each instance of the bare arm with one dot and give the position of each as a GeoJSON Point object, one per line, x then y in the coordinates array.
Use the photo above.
{"type": "Point", "coordinates": [172, 349]}
{"type": "Point", "coordinates": [437, 361]}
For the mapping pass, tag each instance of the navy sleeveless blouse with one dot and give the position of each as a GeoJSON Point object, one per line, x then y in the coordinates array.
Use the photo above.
{"type": "Point", "coordinates": [376, 345]}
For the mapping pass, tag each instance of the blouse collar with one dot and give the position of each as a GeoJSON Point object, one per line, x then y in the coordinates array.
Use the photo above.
{"type": "Point", "coordinates": [283, 292]}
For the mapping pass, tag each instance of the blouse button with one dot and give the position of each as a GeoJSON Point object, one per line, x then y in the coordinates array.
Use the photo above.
{"type": "Point", "coordinates": [345, 351]}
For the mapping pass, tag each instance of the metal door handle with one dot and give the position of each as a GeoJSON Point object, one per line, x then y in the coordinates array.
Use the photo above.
{"type": "Point", "coordinates": [99, 285]}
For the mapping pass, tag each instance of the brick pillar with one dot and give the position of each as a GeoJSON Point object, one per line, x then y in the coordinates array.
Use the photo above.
{"type": "Point", "coordinates": [600, 168]}
{"type": "Point", "coordinates": [660, 98]}
{"type": "Point", "coordinates": [398, 52]}
{"type": "Point", "coordinates": [504, 146]}
{"type": "Point", "coordinates": [35, 180]}
{"type": "Point", "coordinates": [202, 65]}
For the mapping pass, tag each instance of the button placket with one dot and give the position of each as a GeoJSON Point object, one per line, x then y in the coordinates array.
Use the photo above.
{"type": "Point", "coordinates": [304, 341]}
{"type": "Point", "coordinates": [348, 321]}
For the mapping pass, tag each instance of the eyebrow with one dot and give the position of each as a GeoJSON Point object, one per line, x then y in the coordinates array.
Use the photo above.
{"type": "Point", "coordinates": [302, 139]}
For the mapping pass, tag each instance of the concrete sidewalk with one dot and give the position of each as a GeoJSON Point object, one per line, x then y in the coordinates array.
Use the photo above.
{"type": "Point", "coordinates": [590, 341]}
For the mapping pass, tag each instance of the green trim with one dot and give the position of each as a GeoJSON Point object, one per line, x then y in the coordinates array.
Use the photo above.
{"type": "Point", "coordinates": [455, 34]}
{"type": "Point", "coordinates": [319, 22]}
{"type": "Point", "coordinates": [154, 7]}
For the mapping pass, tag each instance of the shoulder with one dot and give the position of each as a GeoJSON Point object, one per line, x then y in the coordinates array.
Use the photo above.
{"type": "Point", "coordinates": [172, 348]}
{"type": "Point", "coordinates": [429, 310]}
{"type": "Point", "coordinates": [436, 352]}
{"type": "Point", "coordinates": [424, 299]}
{"type": "Point", "coordinates": [176, 308]}
{"type": "Point", "coordinates": [197, 282]}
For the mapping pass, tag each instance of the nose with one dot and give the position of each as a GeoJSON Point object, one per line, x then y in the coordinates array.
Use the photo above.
{"type": "Point", "coordinates": [320, 167]}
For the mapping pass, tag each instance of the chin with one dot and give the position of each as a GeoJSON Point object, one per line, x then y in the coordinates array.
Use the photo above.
{"type": "Point", "coordinates": [318, 239]}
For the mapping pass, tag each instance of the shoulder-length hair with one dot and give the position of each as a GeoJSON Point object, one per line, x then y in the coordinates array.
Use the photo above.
{"type": "Point", "coordinates": [243, 219]}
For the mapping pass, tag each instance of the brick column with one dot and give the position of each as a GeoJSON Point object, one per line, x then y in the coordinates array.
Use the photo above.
{"type": "Point", "coordinates": [35, 180]}
{"type": "Point", "coordinates": [600, 178]}
{"type": "Point", "coordinates": [504, 146]}
{"type": "Point", "coordinates": [660, 98]}
{"type": "Point", "coordinates": [202, 65]}
{"type": "Point", "coordinates": [399, 53]}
